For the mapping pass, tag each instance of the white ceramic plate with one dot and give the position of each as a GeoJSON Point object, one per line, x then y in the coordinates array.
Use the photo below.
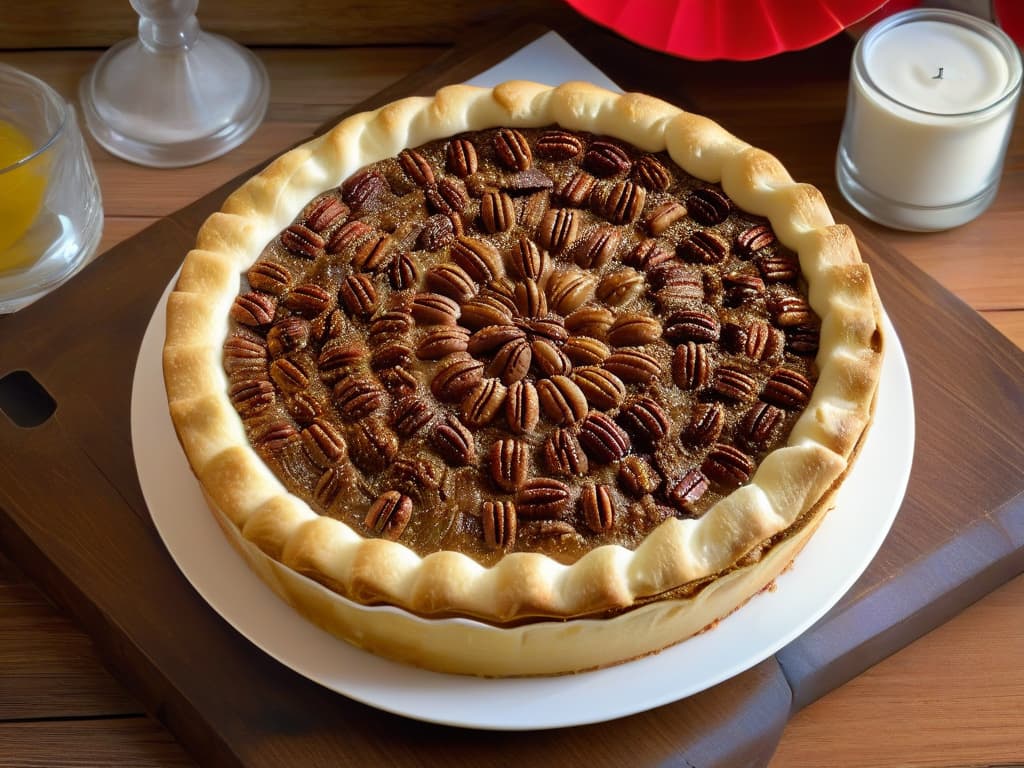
{"type": "Point", "coordinates": [830, 563]}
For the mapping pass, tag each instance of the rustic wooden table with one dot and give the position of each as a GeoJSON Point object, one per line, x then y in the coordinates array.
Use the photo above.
{"type": "Point", "coordinates": [953, 698]}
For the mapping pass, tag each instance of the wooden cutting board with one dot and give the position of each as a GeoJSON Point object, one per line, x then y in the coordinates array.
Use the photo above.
{"type": "Point", "coordinates": [73, 517]}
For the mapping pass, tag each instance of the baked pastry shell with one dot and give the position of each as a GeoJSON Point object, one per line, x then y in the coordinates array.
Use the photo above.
{"type": "Point", "coordinates": [734, 550]}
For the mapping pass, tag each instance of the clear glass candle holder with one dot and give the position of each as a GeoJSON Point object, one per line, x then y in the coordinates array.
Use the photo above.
{"type": "Point", "coordinates": [930, 110]}
{"type": "Point", "coordinates": [51, 213]}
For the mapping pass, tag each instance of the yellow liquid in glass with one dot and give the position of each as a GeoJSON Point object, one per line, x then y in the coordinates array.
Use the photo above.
{"type": "Point", "coordinates": [21, 195]}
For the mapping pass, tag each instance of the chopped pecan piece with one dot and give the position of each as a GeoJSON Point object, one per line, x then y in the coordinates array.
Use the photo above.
{"type": "Point", "coordinates": [686, 490]}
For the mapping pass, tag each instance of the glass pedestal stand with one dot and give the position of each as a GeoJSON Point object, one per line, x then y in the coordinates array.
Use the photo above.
{"type": "Point", "coordinates": [176, 95]}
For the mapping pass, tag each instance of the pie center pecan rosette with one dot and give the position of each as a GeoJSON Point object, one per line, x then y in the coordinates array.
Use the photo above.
{"type": "Point", "coordinates": [522, 356]}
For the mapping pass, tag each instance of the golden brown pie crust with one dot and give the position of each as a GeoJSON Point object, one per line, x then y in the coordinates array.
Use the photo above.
{"type": "Point", "coordinates": [684, 576]}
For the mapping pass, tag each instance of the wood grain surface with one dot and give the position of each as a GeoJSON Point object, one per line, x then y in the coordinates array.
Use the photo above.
{"type": "Point", "coordinates": [952, 698]}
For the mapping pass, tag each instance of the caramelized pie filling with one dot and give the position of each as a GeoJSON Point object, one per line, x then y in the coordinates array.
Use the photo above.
{"type": "Point", "coordinates": [520, 340]}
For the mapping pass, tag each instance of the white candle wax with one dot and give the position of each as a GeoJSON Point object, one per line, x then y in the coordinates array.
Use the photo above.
{"type": "Point", "coordinates": [931, 106]}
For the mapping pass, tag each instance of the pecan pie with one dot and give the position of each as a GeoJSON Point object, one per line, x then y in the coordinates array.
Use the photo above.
{"type": "Point", "coordinates": [578, 366]}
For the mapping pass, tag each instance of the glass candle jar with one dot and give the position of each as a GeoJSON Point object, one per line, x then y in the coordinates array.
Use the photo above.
{"type": "Point", "coordinates": [931, 105]}
{"type": "Point", "coordinates": [51, 214]}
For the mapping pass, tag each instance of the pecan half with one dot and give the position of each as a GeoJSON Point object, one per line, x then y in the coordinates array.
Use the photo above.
{"type": "Point", "coordinates": [522, 407]}
{"type": "Point", "coordinates": [645, 421]}
{"type": "Point", "coordinates": [709, 206]}
{"type": "Point", "coordinates": [461, 157]}
{"type": "Point", "coordinates": [664, 216]}
{"type": "Point", "coordinates": [454, 443]}
{"type": "Point", "coordinates": [559, 145]}
{"type": "Point", "coordinates": [620, 203]}
{"type": "Point", "coordinates": [512, 149]}
{"type": "Point", "coordinates": [548, 359]}
{"type": "Point", "coordinates": [348, 236]}
{"type": "Point", "coordinates": [389, 515]}
{"type": "Point", "coordinates": [603, 439]}
{"type": "Point", "coordinates": [253, 308]}
{"type": "Point", "coordinates": [434, 309]}
{"type": "Point", "coordinates": [686, 490]}
{"type": "Point", "coordinates": [416, 167]}
{"type": "Point", "coordinates": [568, 289]}
{"type": "Point", "coordinates": [497, 212]}
{"type": "Point", "coordinates": [372, 446]}
{"type": "Point", "coordinates": [250, 396]}
{"type": "Point", "coordinates": [590, 321]}
{"type": "Point", "coordinates": [499, 524]}
{"type": "Point", "coordinates": [526, 260]}
{"type": "Point", "coordinates": [647, 254]}
{"type": "Point", "coordinates": [691, 366]}
{"type": "Point", "coordinates": [787, 389]}
{"type": "Point", "coordinates": [704, 247]}
{"type": "Point", "coordinates": [634, 329]}
{"type": "Point", "coordinates": [358, 295]}
{"type": "Point", "coordinates": [650, 173]}
{"type": "Point", "coordinates": [269, 277]}
{"type": "Point", "coordinates": [409, 415]}
{"type": "Point", "coordinates": [308, 300]}
{"type": "Point", "coordinates": [300, 240]}
{"type": "Point", "coordinates": [605, 159]}
{"type": "Point", "coordinates": [323, 444]}
{"type": "Point", "coordinates": [740, 287]}
{"type": "Point", "coordinates": [563, 455]}
{"type": "Point", "coordinates": [727, 465]}
{"type": "Point", "coordinates": [438, 231]}
{"type": "Point", "coordinates": [356, 397]}
{"type": "Point", "coordinates": [584, 350]}
{"type": "Point", "coordinates": [542, 497]}
{"type": "Point", "coordinates": [325, 213]}
{"type": "Point", "coordinates": [244, 355]}
{"type": "Point", "coordinates": [598, 508]}
{"type": "Point", "coordinates": [288, 375]}
{"type": "Point", "coordinates": [576, 191]}
{"type": "Point", "coordinates": [290, 334]}
{"type": "Point", "coordinates": [508, 462]}
{"type": "Point", "coordinates": [637, 477]}
{"type": "Point", "coordinates": [597, 248]}
{"type": "Point", "coordinates": [602, 388]}
{"type": "Point", "coordinates": [692, 325]}
{"type": "Point", "coordinates": [557, 230]}
{"type": "Point", "coordinates": [512, 361]}
{"type": "Point", "coordinates": [705, 424]}
{"type": "Point", "coordinates": [779, 268]}
{"type": "Point", "coordinates": [492, 337]}
{"type": "Point", "coordinates": [633, 366]}
{"type": "Point", "coordinates": [336, 358]}
{"type": "Point", "coordinates": [550, 328]}
{"type": "Point", "coordinates": [759, 424]}
{"type": "Point", "coordinates": [562, 399]}
{"type": "Point", "coordinates": [363, 189]}
{"type": "Point", "coordinates": [480, 260]}
{"type": "Point", "coordinates": [753, 239]}
{"type": "Point", "coordinates": [403, 271]}
{"type": "Point", "coordinates": [530, 300]}
{"type": "Point", "coordinates": [394, 322]}
{"type": "Point", "coordinates": [789, 311]}
{"type": "Point", "coordinates": [483, 402]}
{"type": "Point", "coordinates": [457, 374]}
{"type": "Point", "coordinates": [734, 383]}
{"type": "Point", "coordinates": [451, 280]}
